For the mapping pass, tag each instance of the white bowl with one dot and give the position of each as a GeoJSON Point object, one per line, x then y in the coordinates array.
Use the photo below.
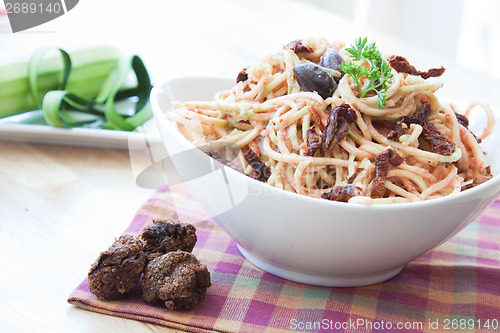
{"type": "Point", "coordinates": [309, 240]}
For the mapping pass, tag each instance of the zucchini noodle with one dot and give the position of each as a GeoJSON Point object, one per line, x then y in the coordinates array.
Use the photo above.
{"type": "Point", "coordinates": [271, 114]}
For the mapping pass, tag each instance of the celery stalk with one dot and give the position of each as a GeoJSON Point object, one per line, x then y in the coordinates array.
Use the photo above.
{"type": "Point", "coordinates": [87, 81]}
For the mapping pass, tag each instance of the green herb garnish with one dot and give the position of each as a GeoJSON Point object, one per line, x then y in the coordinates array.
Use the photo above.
{"type": "Point", "coordinates": [379, 72]}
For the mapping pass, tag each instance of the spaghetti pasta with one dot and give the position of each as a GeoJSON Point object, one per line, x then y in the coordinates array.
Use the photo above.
{"type": "Point", "coordinates": [310, 148]}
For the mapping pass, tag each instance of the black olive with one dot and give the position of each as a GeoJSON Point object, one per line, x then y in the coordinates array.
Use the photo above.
{"type": "Point", "coordinates": [331, 59]}
{"type": "Point", "coordinates": [311, 77]}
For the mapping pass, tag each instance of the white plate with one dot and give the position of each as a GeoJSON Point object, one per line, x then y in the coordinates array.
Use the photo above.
{"type": "Point", "coordinates": [31, 127]}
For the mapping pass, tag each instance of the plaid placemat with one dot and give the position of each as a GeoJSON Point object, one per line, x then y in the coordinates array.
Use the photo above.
{"type": "Point", "coordinates": [454, 288]}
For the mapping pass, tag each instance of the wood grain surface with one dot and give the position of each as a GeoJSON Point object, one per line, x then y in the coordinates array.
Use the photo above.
{"type": "Point", "coordinates": [59, 207]}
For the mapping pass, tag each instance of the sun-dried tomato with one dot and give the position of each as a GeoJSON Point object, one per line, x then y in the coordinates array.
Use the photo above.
{"type": "Point", "coordinates": [261, 170]}
{"type": "Point", "coordinates": [439, 142]}
{"type": "Point", "coordinates": [297, 47]}
{"type": "Point", "coordinates": [420, 115]}
{"type": "Point", "coordinates": [341, 193]}
{"type": "Point", "coordinates": [336, 128]}
{"type": "Point", "coordinates": [347, 193]}
{"type": "Point", "coordinates": [417, 117]}
{"type": "Point", "coordinates": [483, 176]}
{"type": "Point", "coordinates": [313, 141]}
{"type": "Point", "coordinates": [317, 118]}
{"type": "Point", "coordinates": [333, 194]}
{"type": "Point", "coordinates": [382, 161]}
{"type": "Point", "coordinates": [397, 129]}
{"type": "Point", "coordinates": [217, 156]}
{"type": "Point", "coordinates": [401, 65]}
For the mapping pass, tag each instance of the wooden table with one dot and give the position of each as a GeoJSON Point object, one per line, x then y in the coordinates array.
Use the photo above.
{"type": "Point", "coordinates": [60, 207]}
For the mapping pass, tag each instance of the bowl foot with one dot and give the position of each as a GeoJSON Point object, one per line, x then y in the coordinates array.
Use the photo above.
{"type": "Point", "coordinates": [319, 280]}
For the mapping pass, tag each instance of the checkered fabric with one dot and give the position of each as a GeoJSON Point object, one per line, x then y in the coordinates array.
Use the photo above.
{"type": "Point", "coordinates": [454, 288]}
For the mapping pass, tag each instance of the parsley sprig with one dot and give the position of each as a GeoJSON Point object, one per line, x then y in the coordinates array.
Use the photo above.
{"type": "Point", "coordinates": [379, 72]}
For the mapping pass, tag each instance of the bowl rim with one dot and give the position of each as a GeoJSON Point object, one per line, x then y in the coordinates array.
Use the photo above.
{"type": "Point", "coordinates": [159, 118]}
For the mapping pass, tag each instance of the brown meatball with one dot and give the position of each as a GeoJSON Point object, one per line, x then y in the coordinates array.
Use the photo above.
{"type": "Point", "coordinates": [165, 236]}
{"type": "Point", "coordinates": [118, 269]}
{"type": "Point", "coordinates": [176, 278]}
